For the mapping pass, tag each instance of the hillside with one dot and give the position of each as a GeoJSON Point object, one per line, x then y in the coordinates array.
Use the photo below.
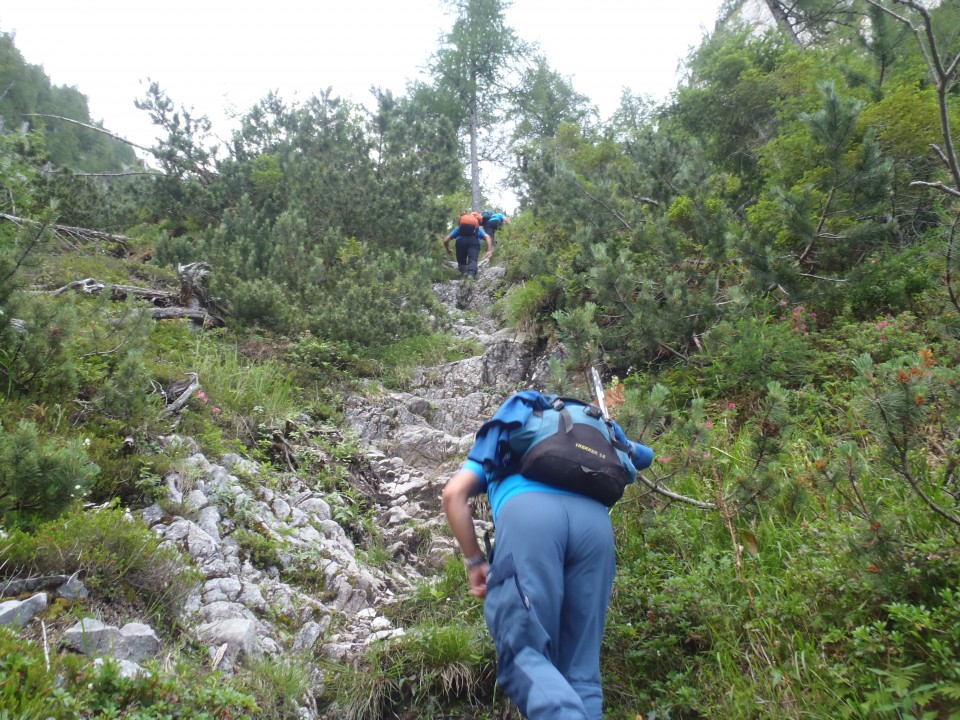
{"type": "Point", "coordinates": [231, 390]}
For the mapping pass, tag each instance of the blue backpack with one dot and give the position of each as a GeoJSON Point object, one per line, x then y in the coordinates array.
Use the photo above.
{"type": "Point", "coordinates": [573, 447]}
{"type": "Point", "coordinates": [489, 223]}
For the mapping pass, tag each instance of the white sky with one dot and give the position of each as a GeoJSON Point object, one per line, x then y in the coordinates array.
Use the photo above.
{"type": "Point", "coordinates": [219, 56]}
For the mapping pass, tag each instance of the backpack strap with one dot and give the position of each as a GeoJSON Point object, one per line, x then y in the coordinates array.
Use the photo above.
{"type": "Point", "coordinates": [568, 424]}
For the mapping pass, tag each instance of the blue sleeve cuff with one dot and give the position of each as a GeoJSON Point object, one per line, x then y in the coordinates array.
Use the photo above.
{"type": "Point", "coordinates": [477, 469]}
{"type": "Point", "coordinates": [641, 455]}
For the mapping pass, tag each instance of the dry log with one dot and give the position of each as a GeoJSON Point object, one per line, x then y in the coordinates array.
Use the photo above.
{"type": "Point", "coordinates": [198, 315]}
{"type": "Point", "coordinates": [157, 297]}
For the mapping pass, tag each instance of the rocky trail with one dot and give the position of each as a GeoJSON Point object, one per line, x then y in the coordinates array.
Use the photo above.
{"type": "Point", "coordinates": [412, 440]}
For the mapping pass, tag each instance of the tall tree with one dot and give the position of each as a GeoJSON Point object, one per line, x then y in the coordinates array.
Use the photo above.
{"type": "Point", "coordinates": [470, 66]}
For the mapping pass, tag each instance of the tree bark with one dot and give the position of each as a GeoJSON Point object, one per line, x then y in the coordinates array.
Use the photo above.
{"type": "Point", "coordinates": [474, 154]}
{"type": "Point", "coordinates": [782, 19]}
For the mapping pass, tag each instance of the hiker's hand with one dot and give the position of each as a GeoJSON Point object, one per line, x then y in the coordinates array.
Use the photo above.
{"type": "Point", "coordinates": [478, 580]}
{"type": "Point", "coordinates": [489, 254]}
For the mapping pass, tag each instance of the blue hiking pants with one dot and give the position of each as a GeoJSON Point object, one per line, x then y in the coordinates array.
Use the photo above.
{"type": "Point", "coordinates": [468, 252]}
{"type": "Point", "coordinates": [547, 595]}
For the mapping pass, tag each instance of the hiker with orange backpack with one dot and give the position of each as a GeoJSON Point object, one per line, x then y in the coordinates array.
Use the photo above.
{"type": "Point", "coordinates": [468, 235]}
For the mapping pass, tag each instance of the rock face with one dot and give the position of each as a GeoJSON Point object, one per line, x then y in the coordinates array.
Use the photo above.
{"type": "Point", "coordinates": [412, 440]}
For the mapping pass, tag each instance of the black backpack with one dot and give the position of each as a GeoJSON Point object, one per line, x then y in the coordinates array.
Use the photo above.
{"type": "Point", "coordinates": [572, 446]}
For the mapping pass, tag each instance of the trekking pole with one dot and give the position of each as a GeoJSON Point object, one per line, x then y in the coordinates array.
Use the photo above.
{"type": "Point", "coordinates": [598, 391]}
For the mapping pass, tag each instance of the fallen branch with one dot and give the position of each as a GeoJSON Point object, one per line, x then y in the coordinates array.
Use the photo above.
{"type": "Point", "coordinates": [936, 186]}
{"type": "Point", "coordinates": [659, 490]}
{"type": "Point", "coordinates": [76, 233]}
{"type": "Point", "coordinates": [175, 313]}
{"type": "Point", "coordinates": [87, 285]}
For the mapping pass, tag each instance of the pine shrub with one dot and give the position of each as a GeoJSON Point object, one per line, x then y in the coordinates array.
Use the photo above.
{"type": "Point", "coordinates": [40, 477]}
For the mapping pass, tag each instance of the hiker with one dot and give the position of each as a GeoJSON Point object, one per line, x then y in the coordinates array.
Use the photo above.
{"type": "Point", "coordinates": [491, 222]}
{"type": "Point", "coordinates": [468, 235]}
{"type": "Point", "coordinates": [547, 588]}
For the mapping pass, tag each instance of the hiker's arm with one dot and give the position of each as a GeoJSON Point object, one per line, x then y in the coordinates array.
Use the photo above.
{"type": "Point", "coordinates": [489, 246]}
{"type": "Point", "coordinates": [446, 243]}
{"type": "Point", "coordinates": [459, 489]}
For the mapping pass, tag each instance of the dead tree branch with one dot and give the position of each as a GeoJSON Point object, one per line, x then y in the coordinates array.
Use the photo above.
{"type": "Point", "coordinates": [91, 127]}
{"type": "Point", "coordinates": [669, 494]}
{"type": "Point", "coordinates": [87, 285]}
{"type": "Point", "coordinates": [184, 396]}
{"type": "Point", "coordinates": [175, 313]}
{"type": "Point", "coordinates": [943, 78]}
{"type": "Point", "coordinates": [75, 233]}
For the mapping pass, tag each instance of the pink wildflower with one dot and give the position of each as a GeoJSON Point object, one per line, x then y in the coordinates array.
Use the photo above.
{"type": "Point", "coordinates": [706, 455]}
{"type": "Point", "coordinates": [203, 396]}
{"type": "Point", "coordinates": [732, 406]}
{"type": "Point", "coordinates": [216, 411]}
{"type": "Point", "coordinates": [783, 303]}
{"type": "Point", "coordinates": [709, 424]}
{"type": "Point", "coordinates": [665, 459]}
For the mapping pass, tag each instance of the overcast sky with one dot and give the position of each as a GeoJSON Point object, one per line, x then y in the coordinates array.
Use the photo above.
{"type": "Point", "coordinates": [222, 56]}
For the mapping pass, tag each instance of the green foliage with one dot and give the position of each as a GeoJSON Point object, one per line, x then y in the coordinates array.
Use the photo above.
{"type": "Point", "coordinates": [400, 359]}
{"type": "Point", "coordinates": [744, 354]}
{"type": "Point", "coordinates": [113, 553]}
{"type": "Point", "coordinates": [72, 687]}
{"type": "Point", "coordinates": [127, 393]}
{"type": "Point", "coordinates": [432, 667]}
{"type": "Point", "coordinates": [19, 155]}
{"type": "Point", "coordinates": [277, 686]}
{"type": "Point", "coordinates": [324, 362]}
{"type": "Point", "coordinates": [526, 303]}
{"type": "Point", "coordinates": [892, 282]}
{"type": "Point", "coordinates": [40, 477]}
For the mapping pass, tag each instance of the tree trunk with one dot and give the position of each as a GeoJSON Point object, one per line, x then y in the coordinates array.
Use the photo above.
{"type": "Point", "coordinates": [779, 13]}
{"type": "Point", "coordinates": [474, 158]}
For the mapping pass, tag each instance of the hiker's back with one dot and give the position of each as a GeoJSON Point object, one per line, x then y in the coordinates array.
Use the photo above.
{"type": "Point", "coordinates": [571, 446]}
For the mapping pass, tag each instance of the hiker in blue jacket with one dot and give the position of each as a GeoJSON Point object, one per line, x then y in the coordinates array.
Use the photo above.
{"type": "Point", "coordinates": [548, 587]}
{"type": "Point", "coordinates": [468, 239]}
{"type": "Point", "coordinates": [492, 222]}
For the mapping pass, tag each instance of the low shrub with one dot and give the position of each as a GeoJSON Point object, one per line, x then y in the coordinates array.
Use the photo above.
{"type": "Point", "coordinates": [115, 555]}
{"type": "Point", "coordinates": [66, 687]}
{"type": "Point", "coordinates": [40, 477]}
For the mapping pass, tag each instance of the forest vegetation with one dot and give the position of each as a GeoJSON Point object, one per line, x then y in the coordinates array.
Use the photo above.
{"type": "Point", "coordinates": [764, 267]}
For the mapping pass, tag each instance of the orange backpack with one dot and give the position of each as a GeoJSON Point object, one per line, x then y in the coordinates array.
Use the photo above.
{"type": "Point", "coordinates": [470, 218]}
